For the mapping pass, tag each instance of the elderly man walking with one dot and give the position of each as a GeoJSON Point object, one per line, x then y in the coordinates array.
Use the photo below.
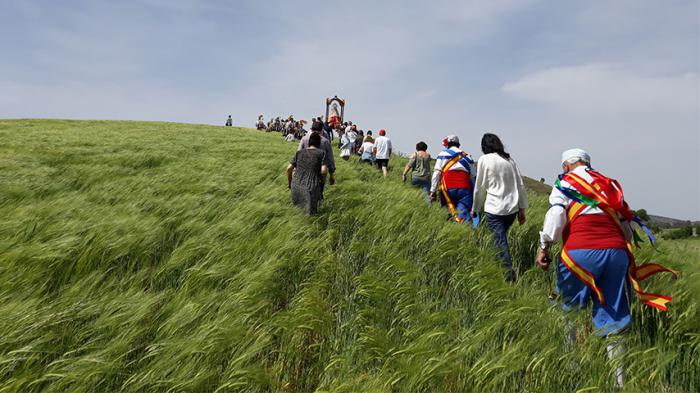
{"type": "Point", "coordinates": [589, 213]}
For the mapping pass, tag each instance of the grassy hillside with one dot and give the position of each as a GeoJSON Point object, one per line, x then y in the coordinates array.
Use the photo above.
{"type": "Point", "coordinates": [149, 257]}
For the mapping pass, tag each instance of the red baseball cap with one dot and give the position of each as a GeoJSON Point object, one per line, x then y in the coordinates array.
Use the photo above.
{"type": "Point", "coordinates": [382, 132]}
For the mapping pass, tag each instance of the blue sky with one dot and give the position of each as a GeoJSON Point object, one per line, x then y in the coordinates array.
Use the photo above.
{"type": "Point", "coordinates": [618, 78]}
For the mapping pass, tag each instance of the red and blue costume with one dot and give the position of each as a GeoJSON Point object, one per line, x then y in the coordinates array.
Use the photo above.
{"type": "Point", "coordinates": [453, 179]}
{"type": "Point", "coordinates": [597, 262]}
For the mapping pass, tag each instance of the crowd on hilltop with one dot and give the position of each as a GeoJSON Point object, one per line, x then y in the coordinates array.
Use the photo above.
{"type": "Point", "coordinates": [314, 164]}
{"type": "Point", "coordinates": [587, 211]}
{"type": "Point", "coordinates": [289, 127]}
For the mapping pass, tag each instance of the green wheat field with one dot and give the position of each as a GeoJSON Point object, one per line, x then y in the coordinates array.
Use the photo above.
{"type": "Point", "coordinates": [163, 257]}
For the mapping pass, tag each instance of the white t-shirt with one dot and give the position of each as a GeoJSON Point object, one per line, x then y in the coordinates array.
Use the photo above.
{"type": "Point", "coordinates": [367, 148]}
{"type": "Point", "coordinates": [352, 136]}
{"type": "Point", "coordinates": [383, 145]}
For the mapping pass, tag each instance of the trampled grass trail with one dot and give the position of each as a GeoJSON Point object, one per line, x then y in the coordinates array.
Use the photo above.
{"type": "Point", "coordinates": [161, 257]}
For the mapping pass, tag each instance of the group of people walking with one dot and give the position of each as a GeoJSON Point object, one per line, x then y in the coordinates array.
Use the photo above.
{"type": "Point", "coordinates": [587, 212]}
{"type": "Point", "coordinates": [491, 188]}
{"type": "Point", "coordinates": [371, 151]}
{"type": "Point", "coordinates": [307, 172]}
{"type": "Point", "coordinates": [290, 128]}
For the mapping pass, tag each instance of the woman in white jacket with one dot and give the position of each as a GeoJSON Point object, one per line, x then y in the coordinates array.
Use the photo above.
{"type": "Point", "coordinates": [500, 194]}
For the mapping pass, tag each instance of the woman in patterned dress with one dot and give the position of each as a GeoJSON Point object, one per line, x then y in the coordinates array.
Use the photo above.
{"type": "Point", "coordinates": [306, 173]}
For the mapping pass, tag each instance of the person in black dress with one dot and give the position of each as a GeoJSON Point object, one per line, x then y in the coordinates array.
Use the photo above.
{"type": "Point", "coordinates": [305, 174]}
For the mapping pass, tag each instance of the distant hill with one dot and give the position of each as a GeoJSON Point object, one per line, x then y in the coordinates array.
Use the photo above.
{"type": "Point", "coordinates": [536, 186]}
{"type": "Point", "coordinates": [666, 222]}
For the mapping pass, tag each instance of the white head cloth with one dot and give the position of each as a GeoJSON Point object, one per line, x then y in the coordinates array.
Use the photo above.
{"type": "Point", "coordinates": [572, 156]}
{"type": "Point", "coordinates": [452, 138]}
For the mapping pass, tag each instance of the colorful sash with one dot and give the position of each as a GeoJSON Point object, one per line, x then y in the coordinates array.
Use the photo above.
{"type": "Point", "coordinates": [606, 194]}
{"type": "Point", "coordinates": [457, 157]}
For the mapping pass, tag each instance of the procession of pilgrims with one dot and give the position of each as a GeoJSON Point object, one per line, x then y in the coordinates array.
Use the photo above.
{"type": "Point", "coordinates": [587, 213]}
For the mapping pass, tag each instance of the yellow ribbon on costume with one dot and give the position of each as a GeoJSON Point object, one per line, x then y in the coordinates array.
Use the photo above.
{"type": "Point", "coordinates": [443, 188]}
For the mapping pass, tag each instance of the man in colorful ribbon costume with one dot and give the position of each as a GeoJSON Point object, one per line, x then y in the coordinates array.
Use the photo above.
{"type": "Point", "coordinates": [589, 213]}
{"type": "Point", "coordinates": [454, 177]}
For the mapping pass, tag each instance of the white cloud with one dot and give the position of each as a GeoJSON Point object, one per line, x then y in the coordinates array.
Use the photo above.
{"type": "Point", "coordinates": [374, 41]}
{"type": "Point", "coordinates": [642, 128]}
{"type": "Point", "coordinates": [605, 88]}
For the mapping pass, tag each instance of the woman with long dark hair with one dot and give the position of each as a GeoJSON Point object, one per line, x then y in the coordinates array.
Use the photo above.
{"type": "Point", "coordinates": [500, 194]}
